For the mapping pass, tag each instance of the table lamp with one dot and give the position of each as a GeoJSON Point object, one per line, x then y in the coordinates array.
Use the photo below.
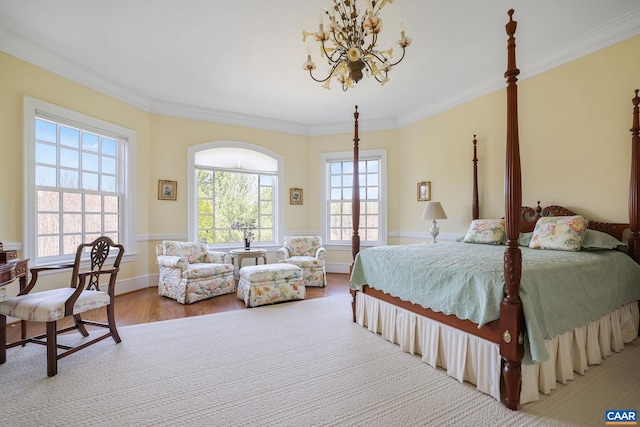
{"type": "Point", "coordinates": [434, 211]}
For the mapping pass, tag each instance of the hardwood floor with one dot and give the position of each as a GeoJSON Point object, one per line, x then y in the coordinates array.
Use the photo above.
{"type": "Point", "coordinates": [146, 306]}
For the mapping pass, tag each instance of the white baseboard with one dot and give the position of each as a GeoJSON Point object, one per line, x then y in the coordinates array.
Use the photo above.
{"type": "Point", "coordinates": [136, 284]}
{"type": "Point", "coordinates": [335, 267]}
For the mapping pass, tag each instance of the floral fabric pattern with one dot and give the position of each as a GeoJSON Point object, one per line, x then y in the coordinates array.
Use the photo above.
{"type": "Point", "coordinates": [193, 251]}
{"type": "Point", "coordinates": [268, 284]}
{"type": "Point", "coordinates": [189, 272]}
{"type": "Point", "coordinates": [486, 231]}
{"type": "Point", "coordinates": [303, 245]}
{"type": "Point", "coordinates": [563, 233]}
{"type": "Point", "coordinates": [307, 253]}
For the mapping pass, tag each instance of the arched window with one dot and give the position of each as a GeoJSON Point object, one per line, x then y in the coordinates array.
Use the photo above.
{"type": "Point", "coordinates": [235, 193]}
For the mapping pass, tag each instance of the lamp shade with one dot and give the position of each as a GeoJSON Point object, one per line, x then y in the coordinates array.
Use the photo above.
{"type": "Point", "coordinates": [433, 210]}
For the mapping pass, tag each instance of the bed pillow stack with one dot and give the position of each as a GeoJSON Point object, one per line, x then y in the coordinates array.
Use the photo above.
{"type": "Point", "coordinates": [593, 241]}
{"type": "Point", "coordinates": [562, 233]}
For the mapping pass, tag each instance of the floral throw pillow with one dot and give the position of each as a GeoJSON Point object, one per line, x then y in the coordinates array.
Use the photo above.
{"type": "Point", "coordinates": [562, 233]}
{"type": "Point", "coordinates": [487, 231]}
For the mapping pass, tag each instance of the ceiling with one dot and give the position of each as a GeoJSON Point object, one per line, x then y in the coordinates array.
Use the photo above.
{"type": "Point", "coordinates": [240, 62]}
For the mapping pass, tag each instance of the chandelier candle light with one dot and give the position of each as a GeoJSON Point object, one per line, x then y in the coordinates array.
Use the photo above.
{"type": "Point", "coordinates": [434, 211]}
{"type": "Point", "coordinates": [349, 44]}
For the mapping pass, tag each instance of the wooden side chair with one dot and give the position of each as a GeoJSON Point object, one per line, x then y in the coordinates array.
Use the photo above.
{"type": "Point", "coordinates": [83, 295]}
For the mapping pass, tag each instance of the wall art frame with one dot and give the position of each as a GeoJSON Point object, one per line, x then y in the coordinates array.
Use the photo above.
{"type": "Point", "coordinates": [167, 190]}
{"type": "Point", "coordinates": [295, 196]}
{"type": "Point", "coordinates": [424, 191]}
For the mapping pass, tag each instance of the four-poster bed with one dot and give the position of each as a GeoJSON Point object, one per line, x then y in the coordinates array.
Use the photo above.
{"type": "Point", "coordinates": [496, 337]}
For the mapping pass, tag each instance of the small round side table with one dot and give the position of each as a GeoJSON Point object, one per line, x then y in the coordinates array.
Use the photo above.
{"type": "Point", "coordinates": [240, 254]}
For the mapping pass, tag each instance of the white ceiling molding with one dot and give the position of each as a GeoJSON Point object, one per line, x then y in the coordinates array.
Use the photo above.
{"type": "Point", "coordinates": [26, 49]}
{"type": "Point", "coordinates": [15, 43]}
{"type": "Point", "coordinates": [599, 38]}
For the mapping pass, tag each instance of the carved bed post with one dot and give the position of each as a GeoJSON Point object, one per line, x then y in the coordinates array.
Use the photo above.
{"type": "Point", "coordinates": [634, 185]}
{"type": "Point", "coordinates": [475, 209]}
{"type": "Point", "coordinates": [355, 195]}
{"type": "Point", "coordinates": [355, 205]}
{"type": "Point", "coordinates": [511, 314]}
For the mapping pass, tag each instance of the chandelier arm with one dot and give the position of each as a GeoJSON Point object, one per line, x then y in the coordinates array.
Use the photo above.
{"type": "Point", "coordinates": [376, 54]}
{"type": "Point", "coordinates": [380, 80]}
{"type": "Point", "coordinates": [333, 69]}
{"type": "Point", "coordinates": [374, 75]}
{"type": "Point", "coordinates": [330, 57]}
{"type": "Point", "coordinates": [401, 58]}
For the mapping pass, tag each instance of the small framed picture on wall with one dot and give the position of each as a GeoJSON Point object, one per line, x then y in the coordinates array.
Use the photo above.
{"type": "Point", "coordinates": [424, 191]}
{"type": "Point", "coordinates": [295, 196]}
{"type": "Point", "coordinates": [167, 190]}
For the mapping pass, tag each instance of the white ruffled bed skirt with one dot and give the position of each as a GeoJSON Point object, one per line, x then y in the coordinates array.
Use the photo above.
{"type": "Point", "coordinates": [477, 361]}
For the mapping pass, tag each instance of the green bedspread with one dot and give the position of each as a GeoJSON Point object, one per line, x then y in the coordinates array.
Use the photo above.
{"type": "Point", "coordinates": [559, 290]}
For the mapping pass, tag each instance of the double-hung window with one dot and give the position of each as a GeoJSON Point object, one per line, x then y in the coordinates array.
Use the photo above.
{"type": "Point", "coordinates": [78, 184]}
{"type": "Point", "coordinates": [338, 173]}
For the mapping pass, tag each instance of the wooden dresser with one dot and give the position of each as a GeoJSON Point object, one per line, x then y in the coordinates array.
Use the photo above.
{"type": "Point", "coordinates": [12, 268]}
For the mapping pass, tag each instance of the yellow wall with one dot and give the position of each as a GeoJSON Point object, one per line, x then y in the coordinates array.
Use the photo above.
{"type": "Point", "coordinates": [574, 133]}
{"type": "Point", "coordinates": [574, 137]}
{"type": "Point", "coordinates": [172, 138]}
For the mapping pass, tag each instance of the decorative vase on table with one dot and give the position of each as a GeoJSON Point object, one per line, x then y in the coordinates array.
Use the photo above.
{"type": "Point", "coordinates": [247, 244]}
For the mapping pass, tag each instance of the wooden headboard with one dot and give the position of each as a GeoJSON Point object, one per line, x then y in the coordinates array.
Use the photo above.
{"type": "Point", "coordinates": [531, 215]}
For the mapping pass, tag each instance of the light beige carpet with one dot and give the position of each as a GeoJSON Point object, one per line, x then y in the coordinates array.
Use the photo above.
{"type": "Point", "coordinates": [301, 363]}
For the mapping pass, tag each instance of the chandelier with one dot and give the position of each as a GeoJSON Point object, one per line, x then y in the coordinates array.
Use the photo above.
{"type": "Point", "coordinates": [349, 44]}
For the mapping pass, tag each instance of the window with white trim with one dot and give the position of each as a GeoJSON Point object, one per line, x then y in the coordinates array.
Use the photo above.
{"type": "Point", "coordinates": [78, 182]}
{"type": "Point", "coordinates": [338, 173]}
{"type": "Point", "coordinates": [236, 194]}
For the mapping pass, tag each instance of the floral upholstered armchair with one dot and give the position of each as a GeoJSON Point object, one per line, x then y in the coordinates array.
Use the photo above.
{"type": "Point", "coordinates": [307, 253]}
{"type": "Point", "coordinates": [190, 272]}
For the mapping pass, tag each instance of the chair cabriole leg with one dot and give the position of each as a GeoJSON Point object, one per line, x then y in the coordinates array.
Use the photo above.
{"type": "Point", "coordinates": [111, 318]}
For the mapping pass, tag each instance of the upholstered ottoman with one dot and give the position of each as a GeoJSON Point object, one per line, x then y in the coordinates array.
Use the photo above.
{"type": "Point", "coordinates": [271, 283]}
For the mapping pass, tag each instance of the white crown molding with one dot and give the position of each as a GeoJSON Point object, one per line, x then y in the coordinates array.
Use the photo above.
{"type": "Point", "coordinates": [23, 48]}
{"type": "Point", "coordinates": [26, 49]}
{"type": "Point", "coordinates": [347, 127]}
{"type": "Point", "coordinates": [598, 38]}
{"type": "Point", "coordinates": [226, 117]}
{"type": "Point", "coordinates": [601, 37]}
